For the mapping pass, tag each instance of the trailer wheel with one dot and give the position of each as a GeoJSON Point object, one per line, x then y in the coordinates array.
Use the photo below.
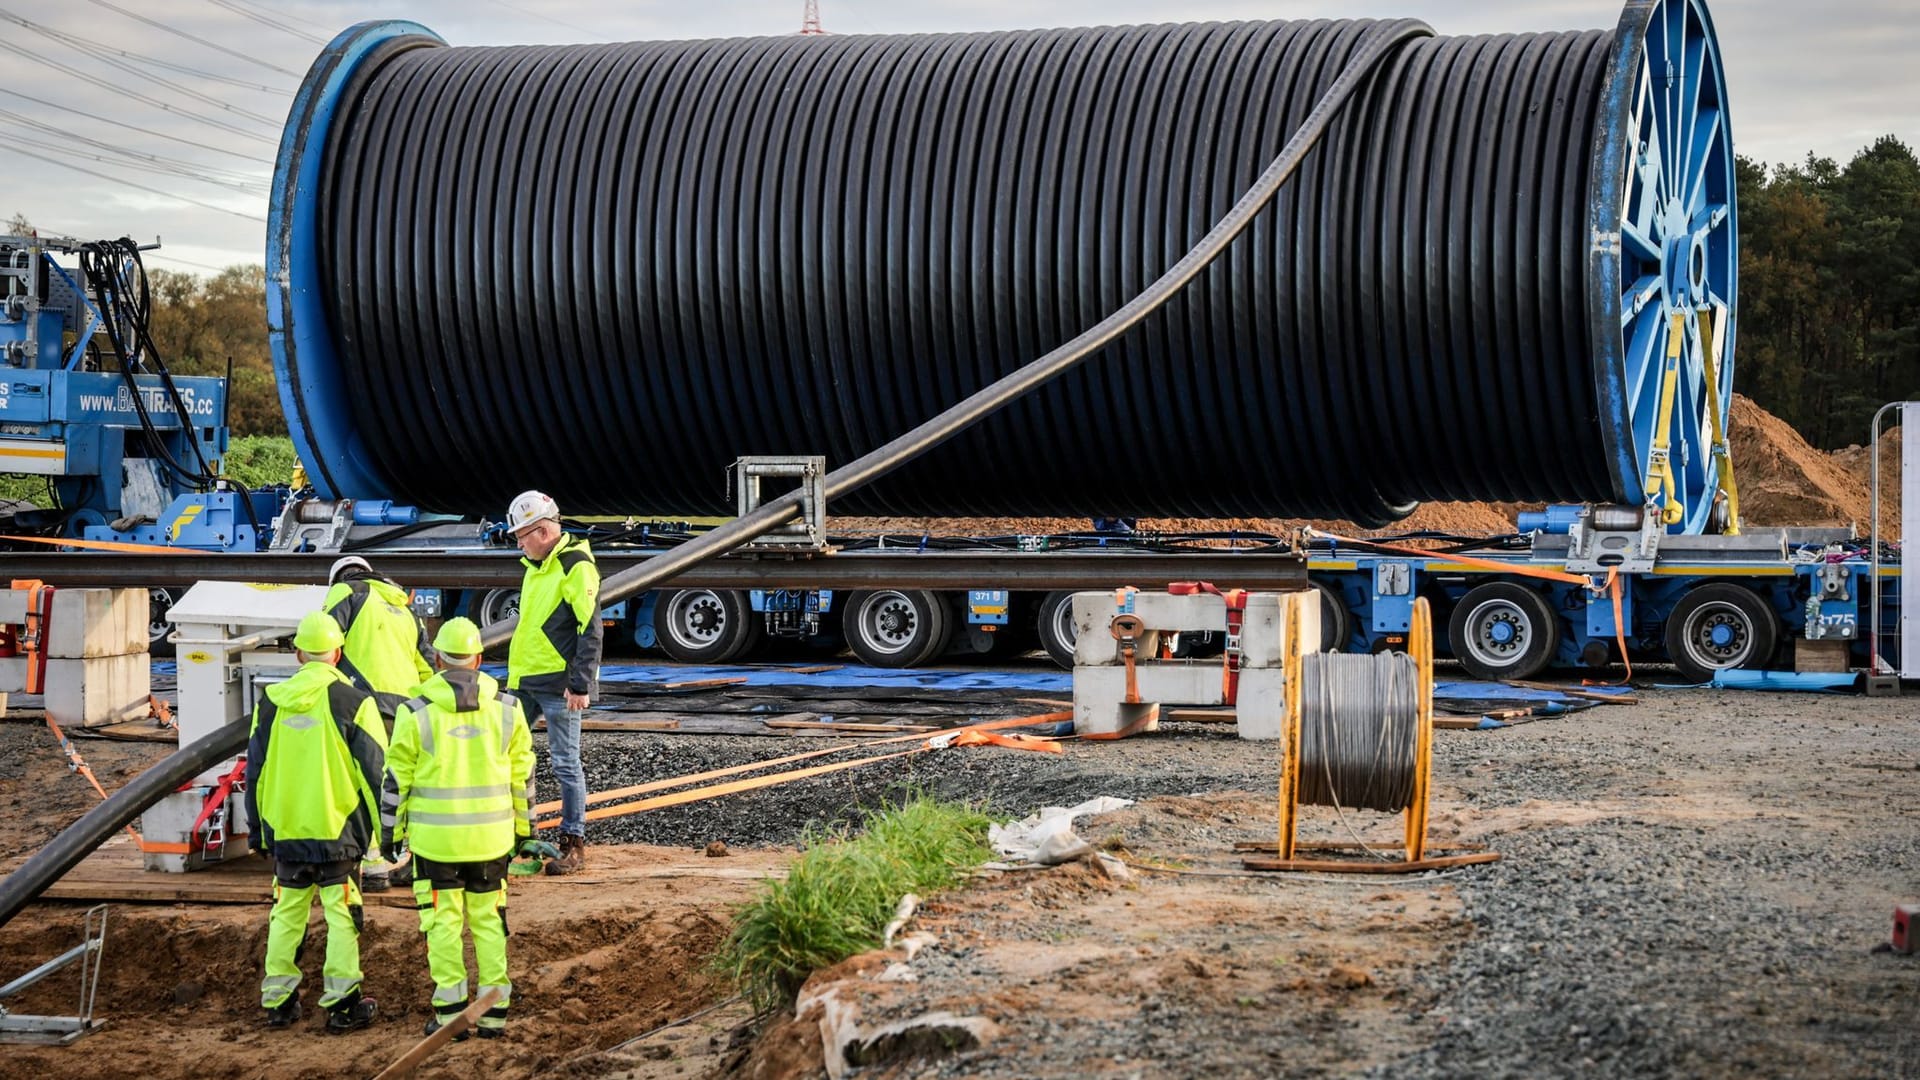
{"type": "Point", "coordinates": [1336, 622]}
{"type": "Point", "coordinates": [159, 601]}
{"type": "Point", "coordinates": [1500, 630]}
{"type": "Point", "coordinates": [1718, 626]}
{"type": "Point", "coordinates": [1054, 622]}
{"type": "Point", "coordinates": [497, 605]}
{"type": "Point", "coordinates": [896, 628]}
{"type": "Point", "coordinates": [704, 626]}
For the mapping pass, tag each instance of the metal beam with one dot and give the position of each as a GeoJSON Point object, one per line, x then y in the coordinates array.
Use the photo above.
{"type": "Point", "coordinates": [846, 570]}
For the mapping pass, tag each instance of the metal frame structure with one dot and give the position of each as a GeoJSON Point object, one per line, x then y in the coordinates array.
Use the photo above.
{"type": "Point", "coordinates": [60, 1030]}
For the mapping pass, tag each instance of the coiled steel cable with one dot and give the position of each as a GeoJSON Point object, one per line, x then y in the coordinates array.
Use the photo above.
{"type": "Point", "coordinates": [607, 271]}
{"type": "Point", "coordinates": [1359, 734]}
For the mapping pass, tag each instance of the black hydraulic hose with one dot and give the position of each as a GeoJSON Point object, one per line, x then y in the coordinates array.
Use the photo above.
{"type": "Point", "coordinates": [904, 448]}
{"type": "Point", "coordinates": [98, 825]}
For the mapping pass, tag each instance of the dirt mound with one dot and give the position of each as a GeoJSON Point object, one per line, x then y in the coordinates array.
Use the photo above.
{"type": "Point", "coordinates": [1783, 481]}
{"type": "Point", "coordinates": [1857, 461]}
{"type": "Point", "coordinates": [595, 960]}
{"type": "Point", "coordinates": [1786, 481]}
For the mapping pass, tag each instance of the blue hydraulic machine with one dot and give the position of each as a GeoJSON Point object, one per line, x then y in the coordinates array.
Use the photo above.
{"type": "Point", "coordinates": [130, 451]}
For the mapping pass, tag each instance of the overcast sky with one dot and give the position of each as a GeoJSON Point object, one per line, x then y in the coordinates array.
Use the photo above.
{"type": "Point", "coordinates": [1826, 77]}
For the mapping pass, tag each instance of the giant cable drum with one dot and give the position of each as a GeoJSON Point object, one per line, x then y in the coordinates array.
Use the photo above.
{"type": "Point", "coordinates": [1507, 272]}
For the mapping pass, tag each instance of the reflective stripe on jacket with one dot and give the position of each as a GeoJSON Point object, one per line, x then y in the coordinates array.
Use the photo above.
{"type": "Point", "coordinates": [459, 781]}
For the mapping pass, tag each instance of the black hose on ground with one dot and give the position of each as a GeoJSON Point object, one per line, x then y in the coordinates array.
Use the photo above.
{"type": "Point", "coordinates": [982, 403]}
{"type": "Point", "coordinates": [120, 810]}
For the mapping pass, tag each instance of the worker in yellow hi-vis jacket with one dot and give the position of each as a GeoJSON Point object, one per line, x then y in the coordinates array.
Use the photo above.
{"type": "Point", "coordinates": [458, 791]}
{"type": "Point", "coordinates": [313, 765]}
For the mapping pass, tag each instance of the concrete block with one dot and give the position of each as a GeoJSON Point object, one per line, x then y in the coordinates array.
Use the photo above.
{"type": "Point", "coordinates": [88, 692]}
{"type": "Point", "coordinates": [1094, 611]}
{"type": "Point", "coordinates": [87, 622]}
{"type": "Point", "coordinates": [1262, 705]}
{"type": "Point", "coordinates": [1263, 628]}
{"type": "Point", "coordinates": [1098, 692]}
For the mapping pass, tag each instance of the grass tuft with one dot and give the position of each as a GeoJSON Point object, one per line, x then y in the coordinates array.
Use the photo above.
{"type": "Point", "coordinates": [838, 897]}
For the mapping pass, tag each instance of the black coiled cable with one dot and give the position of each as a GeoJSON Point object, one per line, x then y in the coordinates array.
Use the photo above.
{"type": "Point", "coordinates": [607, 271]}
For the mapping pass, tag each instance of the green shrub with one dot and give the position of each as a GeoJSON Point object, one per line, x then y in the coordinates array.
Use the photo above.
{"type": "Point", "coordinates": [260, 461]}
{"type": "Point", "coordinates": [839, 896]}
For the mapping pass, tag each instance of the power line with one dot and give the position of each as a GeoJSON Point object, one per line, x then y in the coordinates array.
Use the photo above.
{"type": "Point", "coordinates": [134, 127]}
{"type": "Point", "coordinates": [265, 20]}
{"type": "Point", "coordinates": [67, 135]}
{"type": "Point", "coordinates": [176, 32]}
{"type": "Point", "coordinates": [162, 256]}
{"type": "Point", "coordinates": [56, 148]}
{"type": "Point", "coordinates": [103, 57]}
{"type": "Point", "coordinates": [87, 45]}
{"type": "Point", "coordinates": [134, 94]}
{"type": "Point", "coordinates": [140, 161]}
{"type": "Point", "coordinates": [142, 187]}
{"type": "Point", "coordinates": [254, 4]}
{"type": "Point", "coordinates": [536, 15]}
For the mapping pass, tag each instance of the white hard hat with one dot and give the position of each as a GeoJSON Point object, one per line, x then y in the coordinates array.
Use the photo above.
{"type": "Point", "coordinates": [530, 508]}
{"type": "Point", "coordinates": [349, 563]}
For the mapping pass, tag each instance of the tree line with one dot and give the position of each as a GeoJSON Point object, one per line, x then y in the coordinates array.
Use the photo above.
{"type": "Point", "coordinates": [1829, 305]}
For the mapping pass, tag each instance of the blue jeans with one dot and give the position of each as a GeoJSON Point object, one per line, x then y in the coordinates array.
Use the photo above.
{"type": "Point", "coordinates": [563, 748]}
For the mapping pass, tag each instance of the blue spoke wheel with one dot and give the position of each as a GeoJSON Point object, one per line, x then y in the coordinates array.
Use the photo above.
{"type": "Point", "coordinates": [1665, 247]}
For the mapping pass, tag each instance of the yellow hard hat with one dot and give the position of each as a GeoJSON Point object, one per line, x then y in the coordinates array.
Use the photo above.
{"type": "Point", "coordinates": [318, 633]}
{"type": "Point", "coordinates": [458, 637]}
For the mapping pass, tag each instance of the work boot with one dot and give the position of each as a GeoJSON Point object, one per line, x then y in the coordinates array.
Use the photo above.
{"type": "Point", "coordinates": [371, 883]}
{"type": "Point", "coordinates": [434, 1025]}
{"type": "Point", "coordinates": [573, 856]}
{"type": "Point", "coordinates": [351, 1014]}
{"type": "Point", "coordinates": [285, 1014]}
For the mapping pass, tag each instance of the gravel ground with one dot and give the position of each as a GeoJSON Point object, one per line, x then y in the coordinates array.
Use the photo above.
{"type": "Point", "coordinates": [1719, 920]}
{"type": "Point", "coordinates": [1691, 886]}
{"type": "Point", "coordinates": [1006, 782]}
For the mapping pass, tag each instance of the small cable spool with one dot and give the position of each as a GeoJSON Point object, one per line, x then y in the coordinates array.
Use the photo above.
{"type": "Point", "coordinates": [1358, 731]}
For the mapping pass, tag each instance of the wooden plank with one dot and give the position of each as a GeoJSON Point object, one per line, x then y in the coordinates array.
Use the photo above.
{"type": "Point", "coordinates": [1457, 723]}
{"type": "Point", "coordinates": [1356, 866]}
{"type": "Point", "coordinates": [814, 670]}
{"type": "Point", "coordinates": [428, 1046]}
{"type": "Point", "coordinates": [849, 727]}
{"type": "Point", "coordinates": [1200, 716]}
{"type": "Point", "coordinates": [1572, 691]}
{"type": "Point", "coordinates": [629, 725]}
{"type": "Point", "coordinates": [702, 684]}
{"type": "Point", "coordinates": [1349, 845]}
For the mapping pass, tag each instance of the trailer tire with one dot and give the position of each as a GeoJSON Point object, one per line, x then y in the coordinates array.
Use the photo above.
{"type": "Point", "coordinates": [897, 628]}
{"type": "Point", "coordinates": [496, 605]}
{"type": "Point", "coordinates": [1500, 630]}
{"type": "Point", "coordinates": [704, 626]}
{"type": "Point", "coordinates": [1336, 622]}
{"type": "Point", "coordinates": [1054, 623]}
{"type": "Point", "coordinates": [1720, 625]}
